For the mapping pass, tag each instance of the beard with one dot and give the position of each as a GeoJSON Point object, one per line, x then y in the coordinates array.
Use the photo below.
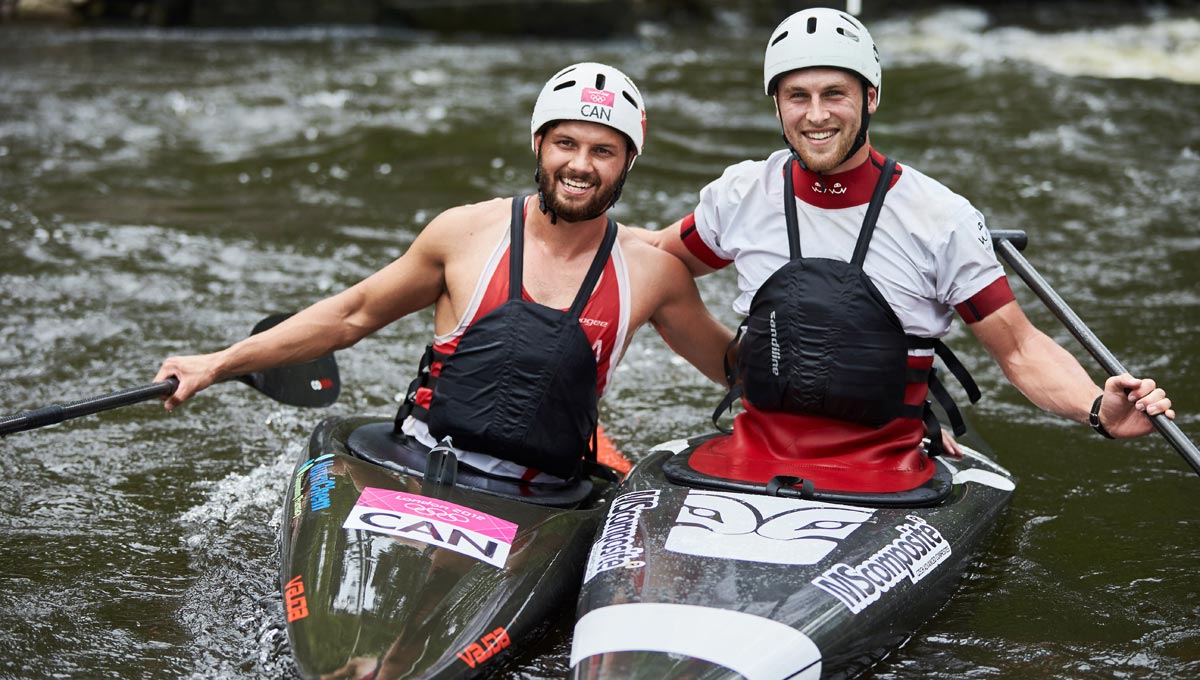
{"type": "Point", "coordinates": [575, 211]}
{"type": "Point", "coordinates": [827, 158]}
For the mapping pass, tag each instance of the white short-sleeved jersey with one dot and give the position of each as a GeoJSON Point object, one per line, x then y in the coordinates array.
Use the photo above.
{"type": "Point", "coordinates": [930, 252]}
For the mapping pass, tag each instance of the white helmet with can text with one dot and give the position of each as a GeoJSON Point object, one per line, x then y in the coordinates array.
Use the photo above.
{"type": "Point", "coordinates": [592, 93]}
{"type": "Point", "coordinates": [822, 37]}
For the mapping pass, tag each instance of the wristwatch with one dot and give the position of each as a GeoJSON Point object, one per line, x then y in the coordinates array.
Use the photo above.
{"type": "Point", "coordinates": [1094, 418]}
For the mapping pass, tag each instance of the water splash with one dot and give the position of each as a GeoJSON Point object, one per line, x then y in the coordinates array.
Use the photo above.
{"type": "Point", "coordinates": [1166, 48]}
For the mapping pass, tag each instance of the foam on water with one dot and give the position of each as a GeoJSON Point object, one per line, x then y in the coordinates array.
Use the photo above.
{"type": "Point", "coordinates": [1160, 48]}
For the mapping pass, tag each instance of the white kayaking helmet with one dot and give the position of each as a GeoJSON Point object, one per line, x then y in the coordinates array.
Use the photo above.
{"type": "Point", "coordinates": [822, 37]}
{"type": "Point", "coordinates": [593, 93]}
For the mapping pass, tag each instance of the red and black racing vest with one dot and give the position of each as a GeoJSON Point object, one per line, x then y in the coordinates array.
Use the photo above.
{"type": "Point", "coordinates": [522, 383]}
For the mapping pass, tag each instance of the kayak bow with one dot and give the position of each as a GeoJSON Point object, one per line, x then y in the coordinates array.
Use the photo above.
{"type": "Point", "coordinates": [386, 574]}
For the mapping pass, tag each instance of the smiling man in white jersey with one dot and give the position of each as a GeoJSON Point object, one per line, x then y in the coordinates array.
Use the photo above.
{"type": "Point", "coordinates": [850, 267]}
{"type": "Point", "coordinates": [536, 299]}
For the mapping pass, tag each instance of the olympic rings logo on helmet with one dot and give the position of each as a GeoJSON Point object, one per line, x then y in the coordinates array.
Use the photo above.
{"type": "Point", "coordinates": [592, 93]}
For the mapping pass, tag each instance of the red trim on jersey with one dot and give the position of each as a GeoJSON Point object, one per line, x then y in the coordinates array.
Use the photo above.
{"type": "Point", "coordinates": [843, 190]}
{"type": "Point", "coordinates": [601, 319]}
{"type": "Point", "coordinates": [997, 294]}
{"type": "Point", "coordinates": [836, 455]}
{"type": "Point", "coordinates": [696, 245]}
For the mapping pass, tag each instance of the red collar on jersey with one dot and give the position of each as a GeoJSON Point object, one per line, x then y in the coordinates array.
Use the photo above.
{"type": "Point", "coordinates": [843, 190]}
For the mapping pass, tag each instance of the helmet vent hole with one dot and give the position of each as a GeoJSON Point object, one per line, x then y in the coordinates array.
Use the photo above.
{"type": "Point", "coordinates": [629, 98]}
{"type": "Point", "coordinates": [599, 81]}
{"type": "Point", "coordinates": [780, 37]}
{"type": "Point", "coordinates": [812, 24]}
{"type": "Point", "coordinates": [563, 86]}
{"type": "Point", "coordinates": [849, 34]}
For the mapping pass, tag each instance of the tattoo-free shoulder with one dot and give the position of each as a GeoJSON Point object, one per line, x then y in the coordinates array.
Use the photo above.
{"type": "Point", "coordinates": [471, 220]}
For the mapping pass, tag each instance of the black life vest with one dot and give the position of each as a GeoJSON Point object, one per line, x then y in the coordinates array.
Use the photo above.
{"type": "Point", "coordinates": [820, 339]}
{"type": "Point", "coordinates": [521, 384]}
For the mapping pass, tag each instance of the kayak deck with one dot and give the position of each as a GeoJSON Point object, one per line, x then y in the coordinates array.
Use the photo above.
{"type": "Point", "coordinates": [686, 582]}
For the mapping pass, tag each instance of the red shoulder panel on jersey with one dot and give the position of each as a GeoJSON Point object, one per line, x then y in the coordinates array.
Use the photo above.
{"type": "Point", "coordinates": [993, 297]}
{"type": "Point", "coordinates": [696, 245]}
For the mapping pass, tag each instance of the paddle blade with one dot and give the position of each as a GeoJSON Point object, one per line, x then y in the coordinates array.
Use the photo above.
{"type": "Point", "coordinates": [311, 384]}
{"type": "Point", "coordinates": [269, 322]}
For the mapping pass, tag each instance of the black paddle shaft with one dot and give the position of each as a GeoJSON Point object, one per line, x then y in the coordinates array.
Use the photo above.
{"type": "Point", "coordinates": [1009, 251]}
{"type": "Point", "coordinates": [311, 384]}
{"type": "Point", "coordinates": [56, 413]}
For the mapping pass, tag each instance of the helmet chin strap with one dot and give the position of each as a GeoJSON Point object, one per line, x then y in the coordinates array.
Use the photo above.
{"type": "Point", "coordinates": [545, 210]}
{"type": "Point", "coordinates": [861, 138]}
{"type": "Point", "coordinates": [537, 181]}
{"type": "Point", "coordinates": [620, 187]}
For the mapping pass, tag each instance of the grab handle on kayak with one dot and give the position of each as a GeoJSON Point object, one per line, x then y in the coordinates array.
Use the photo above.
{"type": "Point", "coordinates": [441, 465]}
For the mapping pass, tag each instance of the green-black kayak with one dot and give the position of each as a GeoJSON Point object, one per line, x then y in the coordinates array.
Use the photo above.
{"type": "Point", "coordinates": [387, 574]}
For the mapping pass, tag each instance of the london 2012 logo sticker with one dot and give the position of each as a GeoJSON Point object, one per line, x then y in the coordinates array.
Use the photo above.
{"type": "Point", "coordinates": [429, 520]}
{"type": "Point", "coordinates": [761, 528]}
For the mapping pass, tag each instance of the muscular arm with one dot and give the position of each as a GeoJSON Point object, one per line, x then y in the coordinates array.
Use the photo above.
{"type": "Point", "coordinates": [1053, 380]}
{"type": "Point", "coordinates": [669, 240]}
{"type": "Point", "coordinates": [412, 282]}
{"type": "Point", "coordinates": [686, 324]}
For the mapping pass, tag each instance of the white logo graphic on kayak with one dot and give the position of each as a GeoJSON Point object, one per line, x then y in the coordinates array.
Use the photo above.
{"type": "Point", "coordinates": [914, 554]}
{"type": "Point", "coordinates": [428, 520]}
{"type": "Point", "coordinates": [616, 548]}
{"type": "Point", "coordinates": [761, 528]}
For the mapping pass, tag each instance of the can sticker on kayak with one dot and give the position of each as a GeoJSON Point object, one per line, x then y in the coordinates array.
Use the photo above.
{"type": "Point", "coordinates": [429, 520]}
{"type": "Point", "coordinates": [767, 529]}
{"type": "Point", "coordinates": [911, 556]}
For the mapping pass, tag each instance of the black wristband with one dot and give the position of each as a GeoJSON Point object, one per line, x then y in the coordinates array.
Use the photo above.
{"type": "Point", "coordinates": [1094, 418]}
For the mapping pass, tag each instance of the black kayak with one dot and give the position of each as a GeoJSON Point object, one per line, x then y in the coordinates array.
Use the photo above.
{"type": "Point", "coordinates": [697, 577]}
{"type": "Point", "coordinates": [395, 566]}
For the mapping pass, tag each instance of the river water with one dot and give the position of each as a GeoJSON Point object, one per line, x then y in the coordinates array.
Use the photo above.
{"type": "Point", "coordinates": [160, 191]}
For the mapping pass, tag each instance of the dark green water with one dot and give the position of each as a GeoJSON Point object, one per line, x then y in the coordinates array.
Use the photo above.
{"type": "Point", "coordinates": [162, 191]}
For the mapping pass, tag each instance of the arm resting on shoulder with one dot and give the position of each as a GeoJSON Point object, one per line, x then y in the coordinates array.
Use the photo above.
{"type": "Point", "coordinates": [670, 240]}
{"type": "Point", "coordinates": [687, 326]}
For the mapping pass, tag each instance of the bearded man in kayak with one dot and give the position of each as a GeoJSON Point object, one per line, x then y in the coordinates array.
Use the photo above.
{"type": "Point", "coordinates": [512, 377]}
{"type": "Point", "coordinates": [849, 269]}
